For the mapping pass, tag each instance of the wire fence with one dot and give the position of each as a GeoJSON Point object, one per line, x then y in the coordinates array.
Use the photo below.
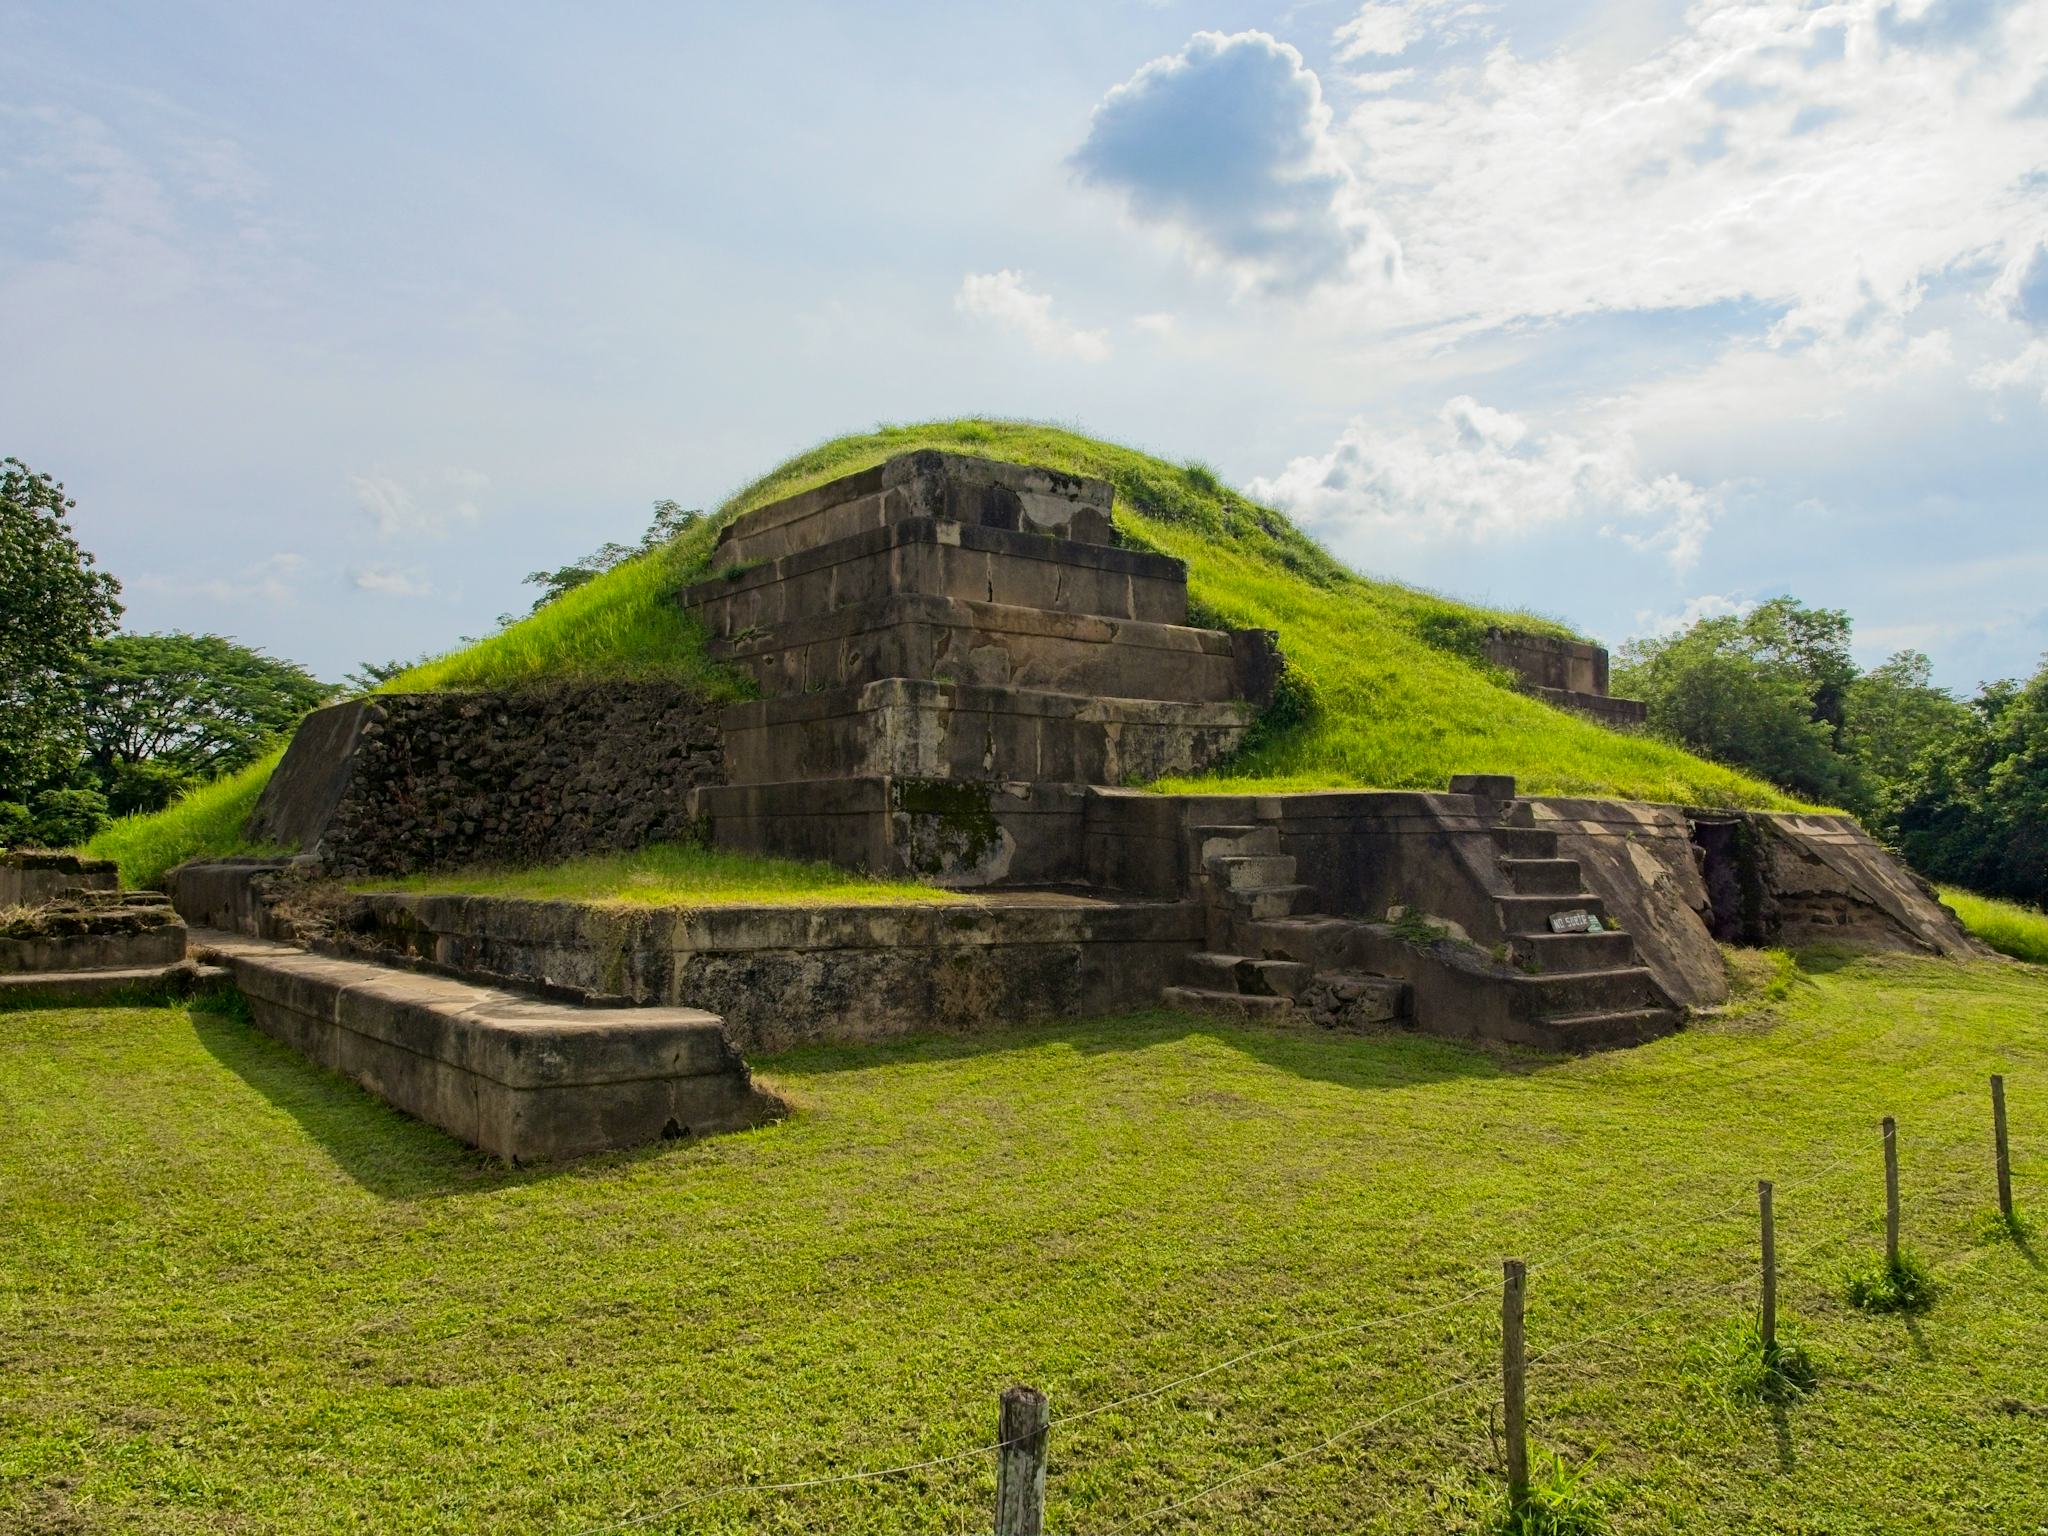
{"type": "Point", "coordinates": [1021, 1454]}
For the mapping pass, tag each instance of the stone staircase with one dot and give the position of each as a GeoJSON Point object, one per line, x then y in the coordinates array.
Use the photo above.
{"type": "Point", "coordinates": [1586, 989]}
{"type": "Point", "coordinates": [1271, 953]}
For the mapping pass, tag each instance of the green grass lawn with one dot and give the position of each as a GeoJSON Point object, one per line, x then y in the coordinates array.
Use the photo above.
{"type": "Point", "coordinates": [674, 875]}
{"type": "Point", "coordinates": [237, 1294]}
{"type": "Point", "coordinates": [2006, 926]}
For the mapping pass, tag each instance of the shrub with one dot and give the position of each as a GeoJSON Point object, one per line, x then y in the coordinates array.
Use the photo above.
{"type": "Point", "coordinates": [1878, 1285]}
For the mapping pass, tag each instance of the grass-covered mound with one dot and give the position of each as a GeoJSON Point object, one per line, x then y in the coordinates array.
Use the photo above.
{"type": "Point", "coordinates": [1392, 691]}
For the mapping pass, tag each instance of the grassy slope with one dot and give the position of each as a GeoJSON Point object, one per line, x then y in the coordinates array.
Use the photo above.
{"type": "Point", "coordinates": [239, 1294]}
{"type": "Point", "coordinates": [1405, 700]}
{"type": "Point", "coordinates": [2005, 925]}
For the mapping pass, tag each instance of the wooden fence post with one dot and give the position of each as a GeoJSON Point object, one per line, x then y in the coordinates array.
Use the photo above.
{"type": "Point", "coordinates": [1891, 1192]}
{"type": "Point", "coordinates": [1768, 1230]}
{"type": "Point", "coordinates": [1513, 1382]}
{"type": "Point", "coordinates": [2004, 1152]}
{"type": "Point", "coordinates": [1020, 1469]}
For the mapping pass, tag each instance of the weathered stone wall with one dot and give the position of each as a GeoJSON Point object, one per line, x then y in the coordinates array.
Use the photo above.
{"type": "Point", "coordinates": [31, 876]}
{"type": "Point", "coordinates": [442, 779]}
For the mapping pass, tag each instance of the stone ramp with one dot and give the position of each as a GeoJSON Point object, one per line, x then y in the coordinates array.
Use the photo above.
{"type": "Point", "coordinates": [521, 1077]}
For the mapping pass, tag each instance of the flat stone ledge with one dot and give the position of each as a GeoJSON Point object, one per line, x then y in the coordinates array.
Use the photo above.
{"type": "Point", "coordinates": [518, 1077]}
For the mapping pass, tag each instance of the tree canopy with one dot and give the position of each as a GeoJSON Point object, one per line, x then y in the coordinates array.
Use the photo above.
{"type": "Point", "coordinates": [53, 604]}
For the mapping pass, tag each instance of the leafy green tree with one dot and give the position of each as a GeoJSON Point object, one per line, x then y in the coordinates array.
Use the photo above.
{"type": "Point", "coordinates": [1974, 809]}
{"type": "Point", "coordinates": [66, 817]}
{"type": "Point", "coordinates": [189, 706]}
{"type": "Point", "coordinates": [1764, 691]}
{"type": "Point", "coordinates": [1895, 715]}
{"type": "Point", "coordinates": [53, 605]}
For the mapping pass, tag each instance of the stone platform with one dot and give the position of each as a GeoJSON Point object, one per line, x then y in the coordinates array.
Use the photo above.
{"type": "Point", "coordinates": [520, 1077]}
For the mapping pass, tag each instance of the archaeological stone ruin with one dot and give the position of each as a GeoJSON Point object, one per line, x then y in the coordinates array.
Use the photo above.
{"type": "Point", "coordinates": [962, 675]}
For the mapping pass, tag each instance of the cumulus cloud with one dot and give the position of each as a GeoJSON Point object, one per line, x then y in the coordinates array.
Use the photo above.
{"type": "Point", "coordinates": [1229, 143]}
{"type": "Point", "coordinates": [391, 581]}
{"type": "Point", "coordinates": [1002, 299]}
{"type": "Point", "coordinates": [429, 509]}
{"type": "Point", "coordinates": [1477, 474]}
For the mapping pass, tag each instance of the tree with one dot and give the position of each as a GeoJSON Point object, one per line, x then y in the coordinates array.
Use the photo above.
{"type": "Point", "coordinates": [1764, 691]}
{"type": "Point", "coordinates": [1895, 714]}
{"type": "Point", "coordinates": [163, 710]}
{"type": "Point", "coordinates": [53, 605]}
{"type": "Point", "coordinates": [1974, 809]}
{"type": "Point", "coordinates": [670, 519]}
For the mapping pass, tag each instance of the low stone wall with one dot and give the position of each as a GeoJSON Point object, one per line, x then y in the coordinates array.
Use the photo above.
{"type": "Point", "coordinates": [405, 782]}
{"type": "Point", "coordinates": [519, 1077]}
{"type": "Point", "coordinates": [96, 930]}
{"type": "Point", "coordinates": [786, 976]}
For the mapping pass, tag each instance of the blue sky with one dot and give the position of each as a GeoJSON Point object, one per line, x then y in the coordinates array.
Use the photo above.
{"type": "Point", "coordinates": [337, 321]}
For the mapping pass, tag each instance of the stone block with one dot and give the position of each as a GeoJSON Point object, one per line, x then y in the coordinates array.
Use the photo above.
{"type": "Point", "coordinates": [30, 877]}
{"type": "Point", "coordinates": [990, 644]}
{"type": "Point", "coordinates": [310, 780]}
{"type": "Point", "coordinates": [520, 1078]}
{"type": "Point", "coordinates": [941, 830]}
{"type": "Point", "coordinates": [958, 487]}
{"type": "Point", "coordinates": [944, 559]}
{"type": "Point", "coordinates": [919, 729]}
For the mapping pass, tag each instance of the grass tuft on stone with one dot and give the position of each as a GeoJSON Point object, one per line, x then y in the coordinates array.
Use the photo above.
{"type": "Point", "coordinates": [674, 875]}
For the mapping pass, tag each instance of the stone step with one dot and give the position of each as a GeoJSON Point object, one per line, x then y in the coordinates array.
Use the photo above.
{"type": "Point", "coordinates": [1550, 953]}
{"type": "Point", "coordinates": [957, 487]}
{"type": "Point", "coordinates": [1226, 1005]}
{"type": "Point", "coordinates": [1239, 973]}
{"type": "Point", "coordinates": [1252, 871]}
{"type": "Point", "coordinates": [1319, 942]}
{"type": "Point", "coordinates": [1599, 1030]}
{"type": "Point", "coordinates": [1574, 992]}
{"type": "Point", "coordinates": [1272, 901]}
{"type": "Point", "coordinates": [109, 982]}
{"type": "Point", "coordinates": [1544, 877]}
{"type": "Point", "coordinates": [1525, 842]}
{"type": "Point", "coordinates": [1531, 914]}
{"type": "Point", "coordinates": [944, 559]}
{"type": "Point", "coordinates": [1225, 841]}
{"type": "Point", "coordinates": [947, 639]}
{"type": "Point", "coordinates": [1353, 1000]}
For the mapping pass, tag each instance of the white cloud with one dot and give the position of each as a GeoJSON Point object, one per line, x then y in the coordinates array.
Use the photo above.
{"type": "Point", "coordinates": [1002, 299]}
{"type": "Point", "coordinates": [430, 509]}
{"type": "Point", "coordinates": [1478, 474]}
{"type": "Point", "coordinates": [1229, 143]}
{"type": "Point", "coordinates": [1383, 28]}
{"type": "Point", "coordinates": [1160, 324]}
{"type": "Point", "coordinates": [391, 581]}
{"type": "Point", "coordinates": [1708, 605]}
{"type": "Point", "coordinates": [274, 580]}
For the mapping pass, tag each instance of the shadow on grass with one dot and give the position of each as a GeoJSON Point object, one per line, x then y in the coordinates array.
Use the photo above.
{"type": "Point", "coordinates": [383, 1149]}
{"type": "Point", "coordinates": [1386, 1060]}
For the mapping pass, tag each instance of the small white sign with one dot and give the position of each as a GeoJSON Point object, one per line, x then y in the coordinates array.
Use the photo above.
{"type": "Point", "coordinates": [1575, 922]}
